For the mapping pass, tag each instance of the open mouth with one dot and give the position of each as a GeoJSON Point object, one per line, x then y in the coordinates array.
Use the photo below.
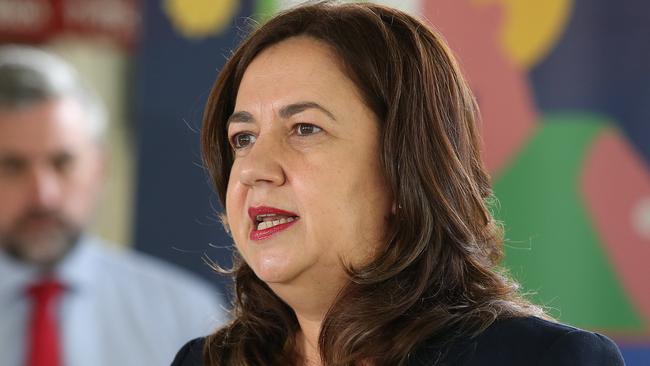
{"type": "Point", "coordinates": [268, 221]}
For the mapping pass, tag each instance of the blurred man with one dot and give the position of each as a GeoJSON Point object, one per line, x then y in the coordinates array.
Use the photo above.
{"type": "Point", "coordinates": [65, 297]}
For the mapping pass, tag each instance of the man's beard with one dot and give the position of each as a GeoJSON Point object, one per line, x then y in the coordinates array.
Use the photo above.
{"type": "Point", "coordinates": [40, 237]}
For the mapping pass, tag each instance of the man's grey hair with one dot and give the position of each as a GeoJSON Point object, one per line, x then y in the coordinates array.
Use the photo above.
{"type": "Point", "coordinates": [30, 76]}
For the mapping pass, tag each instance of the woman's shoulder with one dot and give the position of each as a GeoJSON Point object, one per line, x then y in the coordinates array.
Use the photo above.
{"type": "Point", "coordinates": [191, 354]}
{"type": "Point", "coordinates": [526, 341]}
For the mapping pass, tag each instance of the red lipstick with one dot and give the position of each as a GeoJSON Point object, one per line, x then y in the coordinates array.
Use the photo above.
{"type": "Point", "coordinates": [255, 213]}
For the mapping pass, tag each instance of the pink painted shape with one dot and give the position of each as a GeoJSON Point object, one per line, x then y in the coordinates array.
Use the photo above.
{"type": "Point", "coordinates": [503, 90]}
{"type": "Point", "coordinates": [614, 181]}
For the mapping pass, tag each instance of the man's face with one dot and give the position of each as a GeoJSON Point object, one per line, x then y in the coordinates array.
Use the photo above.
{"type": "Point", "coordinates": [50, 176]}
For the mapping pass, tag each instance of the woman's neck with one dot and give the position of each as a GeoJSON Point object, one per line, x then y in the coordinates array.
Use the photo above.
{"type": "Point", "coordinates": [307, 340]}
{"type": "Point", "coordinates": [310, 310]}
{"type": "Point", "coordinates": [310, 300]}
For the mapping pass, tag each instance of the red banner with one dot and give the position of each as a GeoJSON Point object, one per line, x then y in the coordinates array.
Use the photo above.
{"type": "Point", "coordinates": [36, 21]}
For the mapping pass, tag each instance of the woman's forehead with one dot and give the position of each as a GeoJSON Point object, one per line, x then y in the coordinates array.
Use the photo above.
{"type": "Point", "coordinates": [304, 55]}
{"type": "Point", "coordinates": [297, 69]}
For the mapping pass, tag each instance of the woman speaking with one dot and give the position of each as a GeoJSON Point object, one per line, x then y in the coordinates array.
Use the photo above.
{"type": "Point", "coordinates": [343, 142]}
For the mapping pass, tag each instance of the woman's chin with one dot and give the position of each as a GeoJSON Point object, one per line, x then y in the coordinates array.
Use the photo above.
{"type": "Point", "coordinates": [275, 270]}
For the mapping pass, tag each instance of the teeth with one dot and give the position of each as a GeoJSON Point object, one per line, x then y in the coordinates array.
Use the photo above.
{"type": "Point", "coordinates": [261, 217]}
{"type": "Point", "coordinates": [268, 224]}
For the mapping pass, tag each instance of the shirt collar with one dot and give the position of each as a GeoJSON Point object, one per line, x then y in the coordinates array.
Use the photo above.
{"type": "Point", "coordinates": [76, 271]}
{"type": "Point", "coordinates": [14, 275]}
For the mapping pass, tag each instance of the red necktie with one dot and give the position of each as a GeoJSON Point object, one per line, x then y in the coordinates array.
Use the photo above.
{"type": "Point", "coordinates": [43, 329]}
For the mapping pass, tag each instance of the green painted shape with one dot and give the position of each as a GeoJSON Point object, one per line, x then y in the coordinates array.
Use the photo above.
{"type": "Point", "coordinates": [552, 247]}
{"type": "Point", "coordinates": [264, 9]}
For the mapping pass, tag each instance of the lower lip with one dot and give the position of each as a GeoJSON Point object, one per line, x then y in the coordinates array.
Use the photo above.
{"type": "Point", "coordinates": [267, 233]}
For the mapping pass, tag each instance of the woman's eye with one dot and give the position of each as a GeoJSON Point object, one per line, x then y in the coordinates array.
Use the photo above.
{"type": "Point", "coordinates": [242, 140]}
{"type": "Point", "coordinates": [304, 129]}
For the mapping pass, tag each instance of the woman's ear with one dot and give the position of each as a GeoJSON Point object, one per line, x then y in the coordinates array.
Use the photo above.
{"type": "Point", "coordinates": [395, 207]}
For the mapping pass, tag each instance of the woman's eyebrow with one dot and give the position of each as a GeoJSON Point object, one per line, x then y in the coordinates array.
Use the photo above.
{"type": "Point", "coordinates": [241, 117]}
{"type": "Point", "coordinates": [285, 112]}
{"type": "Point", "coordinates": [294, 108]}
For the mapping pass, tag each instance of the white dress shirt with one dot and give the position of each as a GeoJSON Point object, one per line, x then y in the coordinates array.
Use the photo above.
{"type": "Point", "coordinates": [119, 308]}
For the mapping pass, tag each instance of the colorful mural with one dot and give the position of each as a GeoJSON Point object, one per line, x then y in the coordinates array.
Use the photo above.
{"type": "Point", "coordinates": [571, 183]}
{"type": "Point", "coordinates": [196, 19]}
{"type": "Point", "coordinates": [571, 180]}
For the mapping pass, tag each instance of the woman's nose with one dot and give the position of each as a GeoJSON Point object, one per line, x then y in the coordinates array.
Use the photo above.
{"type": "Point", "coordinates": [263, 163]}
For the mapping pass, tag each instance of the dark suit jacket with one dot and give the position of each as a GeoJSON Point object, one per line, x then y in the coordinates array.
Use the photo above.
{"type": "Point", "coordinates": [510, 342]}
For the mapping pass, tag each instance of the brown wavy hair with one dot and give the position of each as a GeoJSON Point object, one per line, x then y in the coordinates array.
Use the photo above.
{"type": "Point", "coordinates": [437, 276]}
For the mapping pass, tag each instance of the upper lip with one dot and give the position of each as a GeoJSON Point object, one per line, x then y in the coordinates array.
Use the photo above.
{"type": "Point", "coordinates": [253, 212]}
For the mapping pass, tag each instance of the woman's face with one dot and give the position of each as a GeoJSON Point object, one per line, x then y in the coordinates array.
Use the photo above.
{"type": "Point", "coordinates": [306, 188]}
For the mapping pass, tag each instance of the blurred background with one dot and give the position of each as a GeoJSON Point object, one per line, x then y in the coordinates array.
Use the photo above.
{"type": "Point", "coordinates": [564, 89]}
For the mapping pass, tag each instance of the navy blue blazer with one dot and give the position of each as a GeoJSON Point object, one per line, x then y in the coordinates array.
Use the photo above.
{"type": "Point", "coordinates": [510, 342]}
